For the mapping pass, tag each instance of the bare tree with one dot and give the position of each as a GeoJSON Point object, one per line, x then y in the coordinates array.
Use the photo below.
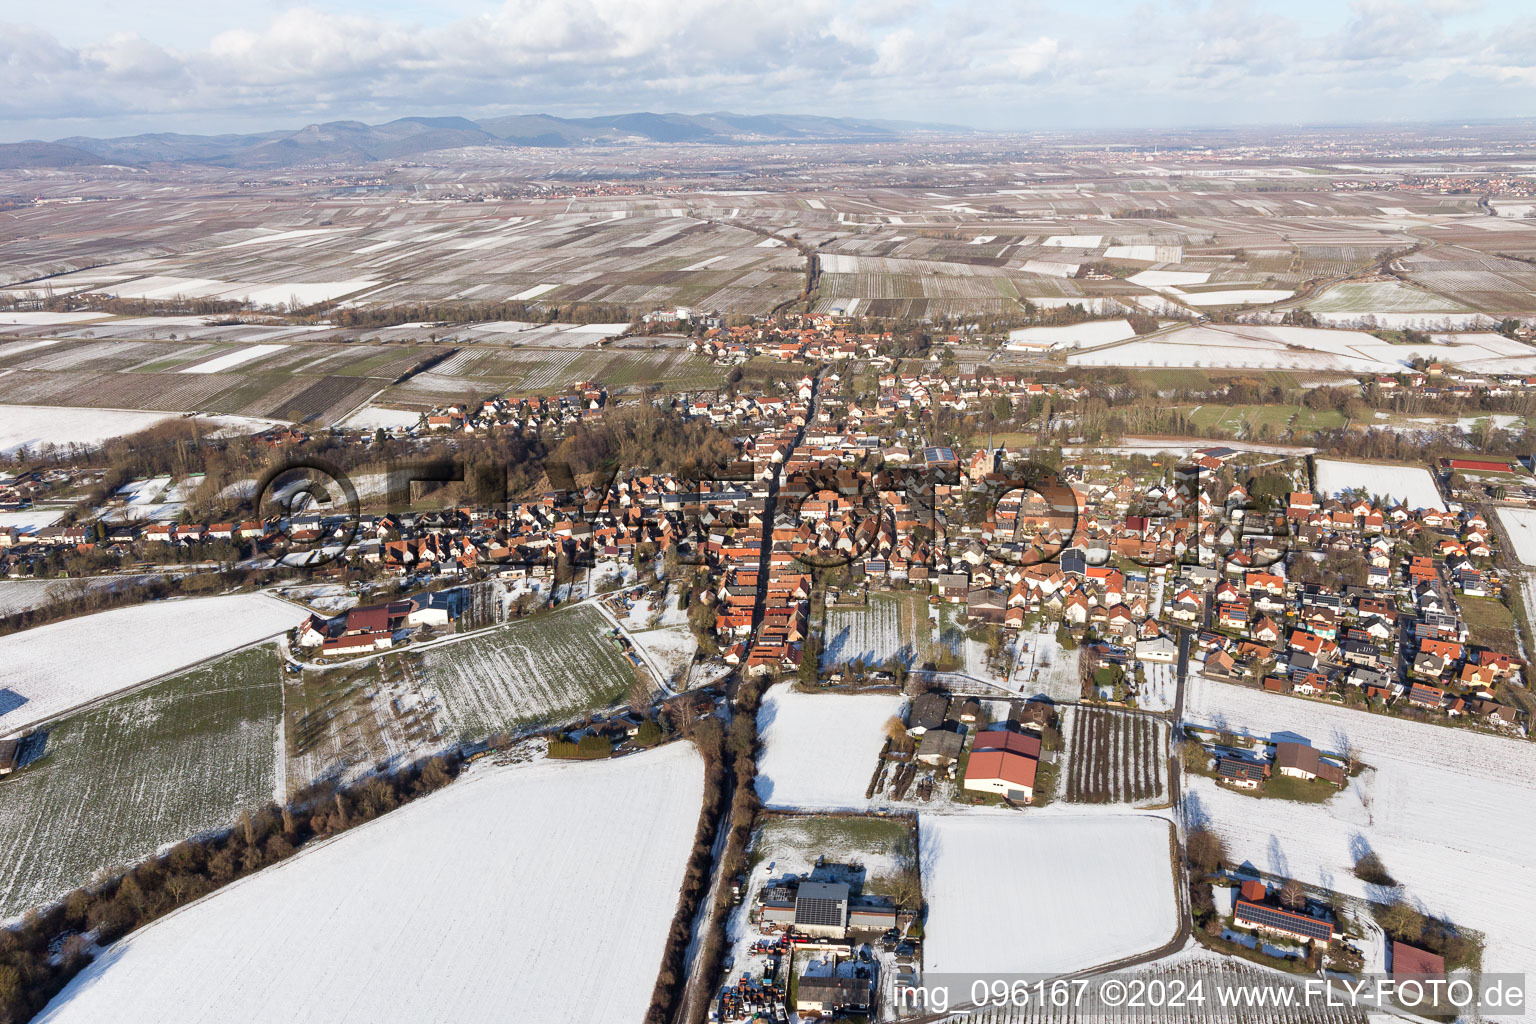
{"type": "Point", "coordinates": [1293, 895]}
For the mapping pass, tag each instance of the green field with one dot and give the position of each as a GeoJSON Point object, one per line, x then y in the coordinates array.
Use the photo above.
{"type": "Point", "coordinates": [114, 783]}
{"type": "Point", "coordinates": [1490, 623]}
{"type": "Point", "coordinates": [1254, 421]}
{"type": "Point", "coordinates": [543, 670]}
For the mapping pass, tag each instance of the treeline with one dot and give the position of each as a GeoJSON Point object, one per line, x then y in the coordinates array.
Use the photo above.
{"type": "Point", "coordinates": [366, 317]}
{"type": "Point", "coordinates": [99, 598]}
{"type": "Point", "coordinates": [50, 946]}
{"type": "Point", "coordinates": [740, 744]}
{"type": "Point", "coordinates": [641, 437]}
{"type": "Point", "coordinates": [175, 305]}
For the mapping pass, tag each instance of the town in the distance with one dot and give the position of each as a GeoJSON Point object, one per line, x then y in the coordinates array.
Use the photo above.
{"type": "Point", "coordinates": [860, 572]}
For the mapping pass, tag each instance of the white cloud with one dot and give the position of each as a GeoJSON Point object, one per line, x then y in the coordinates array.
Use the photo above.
{"type": "Point", "coordinates": [997, 65]}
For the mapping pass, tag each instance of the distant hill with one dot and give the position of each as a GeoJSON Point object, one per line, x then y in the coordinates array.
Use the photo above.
{"type": "Point", "coordinates": [15, 155]}
{"type": "Point", "coordinates": [353, 142]}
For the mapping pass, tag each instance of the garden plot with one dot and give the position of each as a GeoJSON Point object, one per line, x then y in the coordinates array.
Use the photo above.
{"type": "Point", "coordinates": [1439, 805]}
{"type": "Point", "coordinates": [50, 669]}
{"type": "Point", "coordinates": [509, 866]}
{"type": "Point", "coordinates": [820, 750]}
{"type": "Point", "coordinates": [671, 649]}
{"type": "Point", "coordinates": [1021, 894]}
{"type": "Point", "coordinates": [1115, 757]}
{"type": "Point", "coordinates": [1520, 524]}
{"type": "Point", "coordinates": [112, 784]}
{"type": "Point", "coordinates": [1411, 485]}
{"type": "Point", "coordinates": [890, 627]}
{"type": "Point", "coordinates": [546, 669]}
{"type": "Point", "coordinates": [1045, 667]}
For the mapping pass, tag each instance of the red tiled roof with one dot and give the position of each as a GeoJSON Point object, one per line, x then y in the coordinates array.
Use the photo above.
{"type": "Point", "coordinates": [1002, 765]}
{"type": "Point", "coordinates": [1410, 961]}
{"type": "Point", "coordinates": [1026, 744]}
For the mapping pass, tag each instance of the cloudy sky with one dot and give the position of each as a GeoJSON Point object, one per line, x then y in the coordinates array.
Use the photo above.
{"type": "Point", "coordinates": [106, 67]}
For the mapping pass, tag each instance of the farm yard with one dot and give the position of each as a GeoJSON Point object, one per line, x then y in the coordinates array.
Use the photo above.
{"type": "Point", "coordinates": [1102, 890]}
{"type": "Point", "coordinates": [1115, 757]}
{"type": "Point", "coordinates": [112, 784]}
{"type": "Point", "coordinates": [874, 855]}
{"type": "Point", "coordinates": [50, 669]}
{"type": "Point", "coordinates": [1427, 790]}
{"type": "Point", "coordinates": [820, 750]}
{"type": "Point", "coordinates": [543, 670]}
{"type": "Point", "coordinates": [604, 841]}
{"type": "Point", "coordinates": [1411, 485]}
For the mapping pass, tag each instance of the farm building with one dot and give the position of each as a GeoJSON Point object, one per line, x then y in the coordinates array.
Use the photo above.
{"type": "Point", "coordinates": [1158, 649]}
{"type": "Point", "coordinates": [1002, 773]}
{"type": "Point", "coordinates": [821, 909]}
{"type": "Point", "coordinates": [435, 609]}
{"type": "Point", "coordinates": [828, 995]}
{"type": "Point", "coordinates": [1244, 774]}
{"type": "Point", "coordinates": [1412, 962]}
{"type": "Point", "coordinates": [928, 711]}
{"type": "Point", "coordinates": [1303, 762]}
{"type": "Point", "coordinates": [940, 747]}
{"type": "Point", "coordinates": [1254, 909]}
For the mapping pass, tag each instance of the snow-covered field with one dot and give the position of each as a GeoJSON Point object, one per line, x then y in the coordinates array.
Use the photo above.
{"type": "Point", "coordinates": [1233, 297]}
{"type": "Point", "coordinates": [1016, 893]}
{"type": "Point", "coordinates": [1412, 485]}
{"type": "Point", "coordinates": [535, 893]}
{"type": "Point", "coordinates": [671, 648]}
{"type": "Point", "coordinates": [19, 595]}
{"type": "Point", "coordinates": [32, 426]}
{"type": "Point", "coordinates": [1303, 348]}
{"type": "Point", "coordinates": [372, 417]}
{"type": "Point", "coordinates": [820, 750]}
{"type": "Point", "coordinates": [52, 668]}
{"type": "Point", "coordinates": [230, 360]}
{"type": "Point", "coordinates": [1520, 524]}
{"type": "Point", "coordinates": [1083, 335]}
{"type": "Point", "coordinates": [31, 520]}
{"type": "Point", "coordinates": [1169, 278]}
{"type": "Point", "coordinates": [1443, 808]}
{"type": "Point", "coordinates": [534, 671]}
